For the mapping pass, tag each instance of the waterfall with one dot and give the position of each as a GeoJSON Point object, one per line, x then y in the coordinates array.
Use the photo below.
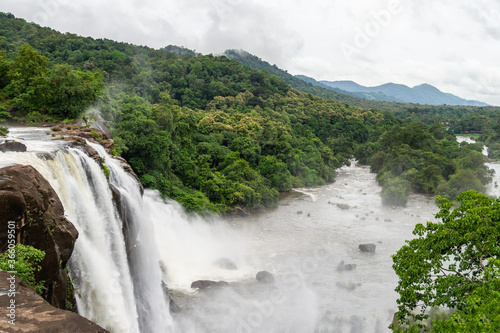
{"type": "Point", "coordinates": [114, 266]}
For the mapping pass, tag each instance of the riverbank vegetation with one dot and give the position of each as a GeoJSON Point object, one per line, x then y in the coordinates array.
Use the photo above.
{"type": "Point", "coordinates": [452, 264]}
{"type": "Point", "coordinates": [214, 134]}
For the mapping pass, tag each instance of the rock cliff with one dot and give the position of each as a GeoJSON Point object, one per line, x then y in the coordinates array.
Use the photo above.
{"type": "Point", "coordinates": [28, 199]}
{"type": "Point", "coordinates": [22, 310]}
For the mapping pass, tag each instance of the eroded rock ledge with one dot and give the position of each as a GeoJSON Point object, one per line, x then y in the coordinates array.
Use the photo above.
{"type": "Point", "coordinates": [28, 199]}
{"type": "Point", "coordinates": [33, 314]}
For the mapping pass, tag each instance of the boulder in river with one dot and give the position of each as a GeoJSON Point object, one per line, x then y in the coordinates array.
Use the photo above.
{"type": "Point", "coordinates": [204, 284]}
{"type": "Point", "coordinates": [345, 267]}
{"type": "Point", "coordinates": [264, 277]}
{"type": "Point", "coordinates": [225, 263]}
{"type": "Point", "coordinates": [367, 247]}
{"type": "Point", "coordinates": [12, 145]}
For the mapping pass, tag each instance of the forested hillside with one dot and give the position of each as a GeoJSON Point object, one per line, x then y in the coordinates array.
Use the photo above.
{"type": "Point", "coordinates": [367, 100]}
{"type": "Point", "coordinates": [215, 134]}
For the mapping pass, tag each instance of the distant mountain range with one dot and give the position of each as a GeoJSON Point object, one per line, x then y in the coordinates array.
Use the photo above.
{"type": "Point", "coordinates": [391, 92]}
{"type": "Point", "coordinates": [389, 96]}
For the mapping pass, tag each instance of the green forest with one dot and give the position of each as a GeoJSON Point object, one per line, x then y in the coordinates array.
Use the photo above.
{"type": "Point", "coordinates": [219, 135]}
{"type": "Point", "coordinates": [215, 134]}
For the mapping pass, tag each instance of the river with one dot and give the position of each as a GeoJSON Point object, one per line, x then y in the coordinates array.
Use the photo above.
{"type": "Point", "coordinates": [302, 243]}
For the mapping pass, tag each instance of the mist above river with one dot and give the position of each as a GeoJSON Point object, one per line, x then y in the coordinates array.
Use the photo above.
{"type": "Point", "coordinates": [302, 243]}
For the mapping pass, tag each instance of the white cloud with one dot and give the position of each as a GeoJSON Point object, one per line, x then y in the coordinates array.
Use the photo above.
{"type": "Point", "coordinates": [452, 44]}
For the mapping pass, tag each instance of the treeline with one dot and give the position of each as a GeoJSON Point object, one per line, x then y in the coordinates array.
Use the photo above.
{"type": "Point", "coordinates": [215, 134]}
{"type": "Point", "coordinates": [458, 119]}
{"type": "Point", "coordinates": [31, 87]}
{"type": "Point", "coordinates": [462, 119]}
{"type": "Point", "coordinates": [414, 157]}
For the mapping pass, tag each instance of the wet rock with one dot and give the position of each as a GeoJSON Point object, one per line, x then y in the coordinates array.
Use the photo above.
{"type": "Point", "coordinates": [225, 263]}
{"type": "Point", "coordinates": [28, 200]}
{"type": "Point", "coordinates": [33, 314]}
{"type": "Point", "coordinates": [124, 164]}
{"type": "Point", "coordinates": [345, 267]}
{"type": "Point", "coordinates": [167, 293]}
{"type": "Point", "coordinates": [367, 247]}
{"type": "Point", "coordinates": [264, 277]}
{"type": "Point", "coordinates": [238, 211]}
{"type": "Point", "coordinates": [204, 284]}
{"type": "Point", "coordinates": [347, 285]}
{"type": "Point", "coordinates": [91, 152]}
{"type": "Point", "coordinates": [12, 145]}
{"type": "Point", "coordinates": [343, 206]}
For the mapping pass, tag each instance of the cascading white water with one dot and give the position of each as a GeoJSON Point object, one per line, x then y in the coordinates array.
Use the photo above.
{"type": "Point", "coordinates": [117, 279]}
{"type": "Point", "coordinates": [152, 304]}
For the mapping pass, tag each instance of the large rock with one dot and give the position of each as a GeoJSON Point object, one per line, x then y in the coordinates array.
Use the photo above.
{"type": "Point", "coordinates": [225, 263]}
{"type": "Point", "coordinates": [12, 145]}
{"type": "Point", "coordinates": [367, 247]}
{"type": "Point", "coordinates": [264, 277]}
{"type": "Point", "coordinates": [204, 284]}
{"type": "Point", "coordinates": [345, 267]}
{"type": "Point", "coordinates": [32, 314]}
{"type": "Point", "coordinates": [27, 199]}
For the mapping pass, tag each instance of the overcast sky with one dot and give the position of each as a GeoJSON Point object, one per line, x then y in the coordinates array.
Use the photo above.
{"type": "Point", "coordinates": [451, 44]}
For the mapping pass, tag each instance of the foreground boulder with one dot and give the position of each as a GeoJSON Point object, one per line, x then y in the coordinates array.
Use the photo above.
{"type": "Point", "coordinates": [367, 247]}
{"type": "Point", "coordinates": [30, 313]}
{"type": "Point", "coordinates": [204, 284]}
{"type": "Point", "coordinates": [28, 200]}
{"type": "Point", "coordinates": [264, 277]}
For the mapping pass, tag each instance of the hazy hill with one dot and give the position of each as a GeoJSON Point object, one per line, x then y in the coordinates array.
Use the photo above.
{"type": "Point", "coordinates": [357, 95]}
{"type": "Point", "coordinates": [421, 94]}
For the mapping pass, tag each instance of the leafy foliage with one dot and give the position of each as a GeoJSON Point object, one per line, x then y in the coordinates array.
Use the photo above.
{"type": "Point", "coordinates": [452, 263]}
{"type": "Point", "coordinates": [59, 91]}
{"type": "Point", "coordinates": [25, 260]}
{"type": "Point", "coordinates": [414, 156]}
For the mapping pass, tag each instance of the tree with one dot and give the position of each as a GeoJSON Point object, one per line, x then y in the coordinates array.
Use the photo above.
{"type": "Point", "coordinates": [449, 261]}
{"type": "Point", "coordinates": [27, 74]}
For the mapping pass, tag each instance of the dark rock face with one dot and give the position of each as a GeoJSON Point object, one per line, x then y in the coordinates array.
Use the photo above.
{"type": "Point", "coordinates": [204, 284]}
{"type": "Point", "coordinates": [226, 263]}
{"type": "Point", "coordinates": [33, 314]}
{"type": "Point", "coordinates": [367, 247]}
{"type": "Point", "coordinates": [264, 277]}
{"type": "Point", "coordinates": [11, 145]}
{"type": "Point", "coordinates": [27, 199]}
{"type": "Point", "coordinates": [345, 267]}
{"type": "Point", "coordinates": [167, 293]}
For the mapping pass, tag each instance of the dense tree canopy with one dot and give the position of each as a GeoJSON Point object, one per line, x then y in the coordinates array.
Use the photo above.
{"type": "Point", "coordinates": [453, 263]}
{"type": "Point", "coordinates": [34, 86]}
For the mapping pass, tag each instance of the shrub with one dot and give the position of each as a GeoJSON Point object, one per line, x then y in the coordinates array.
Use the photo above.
{"type": "Point", "coordinates": [24, 260]}
{"type": "Point", "coordinates": [3, 130]}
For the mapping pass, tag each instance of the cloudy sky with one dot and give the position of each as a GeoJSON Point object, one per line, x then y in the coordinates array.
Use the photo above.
{"type": "Point", "coordinates": [451, 44]}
